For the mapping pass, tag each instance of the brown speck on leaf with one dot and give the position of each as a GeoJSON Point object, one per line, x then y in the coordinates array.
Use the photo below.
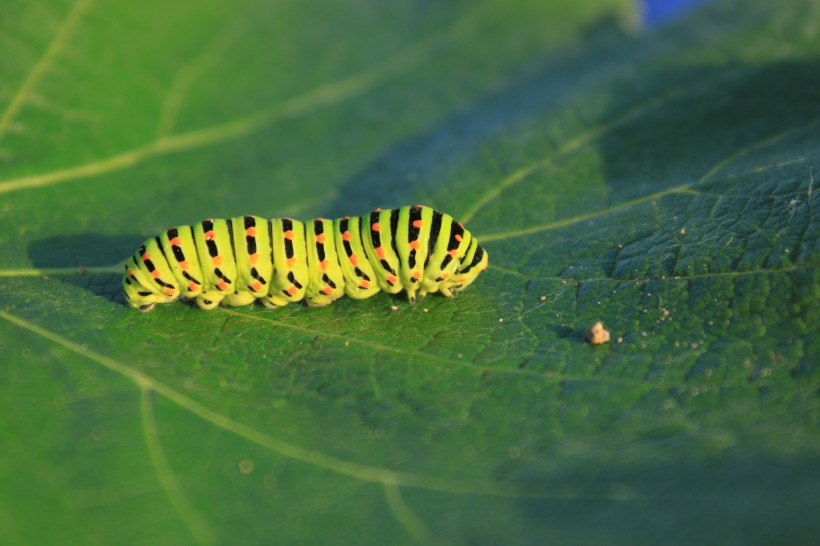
{"type": "Point", "coordinates": [543, 298]}
{"type": "Point", "coordinates": [597, 334]}
{"type": "Point", "coordinates": [82, 270]}
{"type": "Point", "coordinates": [394, 307]}
{"type": "Point", "coordinates": [682, 231]}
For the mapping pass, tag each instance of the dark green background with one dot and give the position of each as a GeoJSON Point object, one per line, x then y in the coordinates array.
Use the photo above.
{"type": "Point", "coordinates": [662, 181]}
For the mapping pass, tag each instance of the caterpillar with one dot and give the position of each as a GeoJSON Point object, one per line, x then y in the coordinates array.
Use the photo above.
{"type": "Point", "coordinates": [279, 261]}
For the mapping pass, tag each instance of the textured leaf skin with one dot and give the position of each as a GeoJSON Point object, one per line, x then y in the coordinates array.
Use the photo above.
{"type": "Point", "coordinates": [660, 181]}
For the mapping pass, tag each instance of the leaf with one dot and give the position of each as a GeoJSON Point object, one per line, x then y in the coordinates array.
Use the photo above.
{"type": "Point", "coordinates": [660, 181]}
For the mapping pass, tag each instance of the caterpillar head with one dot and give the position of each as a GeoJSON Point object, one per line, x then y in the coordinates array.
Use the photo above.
{"type": "Point", "coordinates": [471, 266]}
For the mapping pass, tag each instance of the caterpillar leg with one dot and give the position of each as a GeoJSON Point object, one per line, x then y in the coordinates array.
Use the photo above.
{"type": "Point", "coordinates": [238, 299]}
{"type": "Point", "coordinates": [209, 300]}
{"type": "Point", "coordinates": [274, 301]}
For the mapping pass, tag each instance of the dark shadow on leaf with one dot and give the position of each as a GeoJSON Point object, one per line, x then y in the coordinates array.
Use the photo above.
{"type": "Point", "coordinates": [739, 497]}
{"type": "Point", "coordinates": [721, 113]}
{"type": "Point", "coordinates": [412, 170]}
{"type": "Point", "coordinates": [87, 251]}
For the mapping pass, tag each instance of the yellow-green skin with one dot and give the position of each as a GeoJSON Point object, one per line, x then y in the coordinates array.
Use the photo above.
{"type": "Point", "coordinates": [279, 261]}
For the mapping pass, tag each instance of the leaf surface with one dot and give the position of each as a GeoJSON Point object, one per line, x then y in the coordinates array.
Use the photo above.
{"type": "Point", "coordinates": [661, 181]}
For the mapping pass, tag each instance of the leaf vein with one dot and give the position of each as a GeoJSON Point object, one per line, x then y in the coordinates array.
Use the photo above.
{"type": "Point", "coordinates": [53, 50]}
{"type": "Point", "coordinates": [173, 490]}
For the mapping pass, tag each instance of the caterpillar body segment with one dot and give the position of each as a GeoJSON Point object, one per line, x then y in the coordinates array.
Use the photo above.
{"type": "Point", "coordinates": [360, 278]}
{"type": "Point", "coordinates": [238, 260]}
{"type": "Point", "coordinates": [290, 268]}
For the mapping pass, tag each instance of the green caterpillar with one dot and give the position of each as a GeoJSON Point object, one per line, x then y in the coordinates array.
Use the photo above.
{"type": "Point", "coordinates": [280, 261]}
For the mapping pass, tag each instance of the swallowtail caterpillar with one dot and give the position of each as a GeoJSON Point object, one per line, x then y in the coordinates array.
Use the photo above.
{"type": "Point", "coordinates": [238, 260]}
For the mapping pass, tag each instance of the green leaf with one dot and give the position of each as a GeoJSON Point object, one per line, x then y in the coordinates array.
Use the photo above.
{"type": "Point", "coordinates": [661, 181]}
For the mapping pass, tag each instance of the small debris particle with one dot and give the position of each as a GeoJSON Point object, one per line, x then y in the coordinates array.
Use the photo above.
{"type": "Point", "coordinates": [543, 298]}
{"type": "Point", "coordinates": [425, 310]}
{"type": "Point", "coordinates": [620, 245]}
{"type": "Point", "coordinates": [82, 270]}
{"type": "Point", "coordinates": [347, 344]}
{"type": "Point", "coordinates": [620, 340]}
{"type": "Point", "coordinates": [246, 466]}
{"type": "Point", "coordinates": [644, 334]}
{"type": "Point", "coordinates": [682, 231]}
{"type": "Point", "coordinates": [597, 334]}
{"type": "Point", "coordinates": [501, 320]}
{"type": "Point", "coordinates": [394, 307]}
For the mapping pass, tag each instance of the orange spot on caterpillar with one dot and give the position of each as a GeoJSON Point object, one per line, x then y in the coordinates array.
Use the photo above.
{"type": "Point", "coordinates": [377, 210]}
{"type": "Point", "coordinates": [257, 286]}
{"type": "Point", "coordinates": [416, 274]}
{"type": "Point", "coordinates": [288, 235]}
{"type": "Point", "coordinates": [192, 286]}
{"type": "Point", "coordinates": [327, 290]}
{"type": "Point", "coordinates": [364, 284]}
{"type": "Point", "coordinates": [461, 279]}
{"type": "Point", "coordinates": [380, 253]}
{"type": "Point", "coordinates": [414, 244]}
{"type": "Point", "coordinates": [168, 291]}
{"type": "Point", "coordinates": [346, 236]}
{"type": "Point", "coordinates": [354, 259]}
{"type": "Point", "coordinates": [184, 265]}
{"type": "Point", "coordinates": [320, 238]}
{"type": "Point", "coordinates": [323, 265]}
{"type": "Point", "coordinates": [453, 253]}
{"type": "Point", "coordinates": [145, 257]}
{"type": "Point", "coordinates": [176, 242]}
{"type": "Point", "coordinates": [292, 290]}
{"type": "Point", "coordinates": [156, 274]}
{"type": "Point", "coordinates": [457, 237]}
{"type": "Point", "coordinates": [216, 260]}
{"type": "Point", "coordinates": [391, 279]}
{"type": "Point", "coordinates": [130, 272]}
{"type": "Point", "coordinates": [291, 262]}
{"type": "Point", "coordinates": [209, 236]}
{"type": "Point", "coordinates": [253, 258]}
{"type": "Point", "coordinates": [251, 232]}
{"type": "Point", "coordinates": [445, 275]}
{"type": "Point", "coordinates": [374, 226]}
{"type": "Point", "coordinates": [222, 285]}
{"type": "Point", "coordinates": [416, 223]}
